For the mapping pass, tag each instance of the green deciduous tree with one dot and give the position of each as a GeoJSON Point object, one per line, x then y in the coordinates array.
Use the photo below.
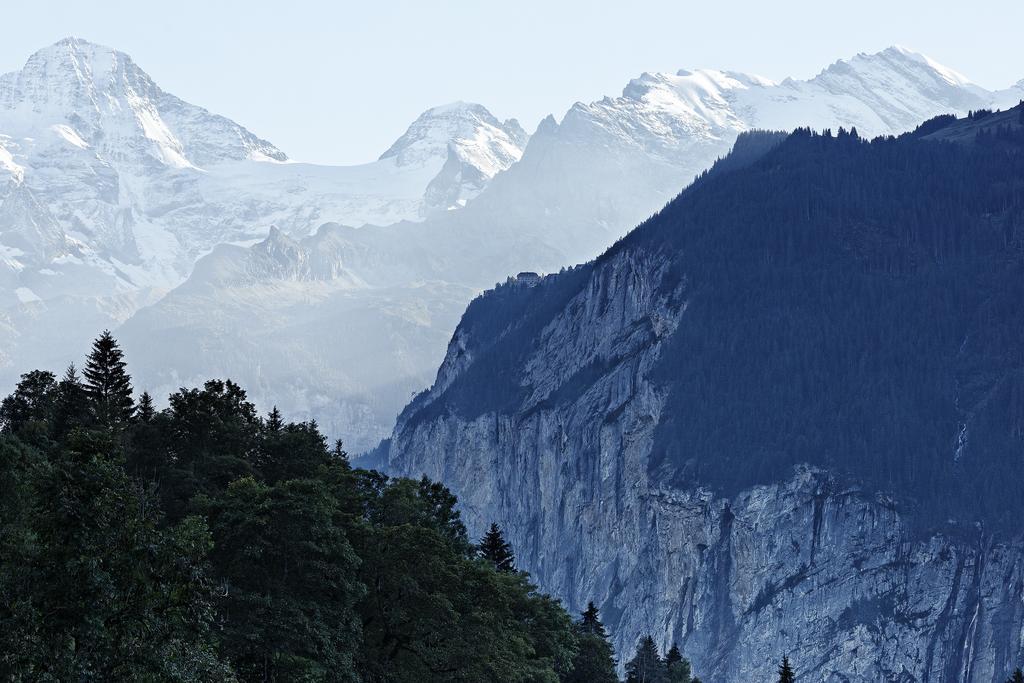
{"type": "Point", "coordinates": [435, 612]}
{"type": "Point", "coordinates": [286, 573]}
{"type": "Point", "coordinates": [31, 403]}
{"type": "Point", "coordinates": [91, 588]}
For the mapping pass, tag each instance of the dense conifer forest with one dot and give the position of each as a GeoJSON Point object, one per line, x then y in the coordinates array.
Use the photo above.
{"type": "Point", "coordinates": [204, 542]}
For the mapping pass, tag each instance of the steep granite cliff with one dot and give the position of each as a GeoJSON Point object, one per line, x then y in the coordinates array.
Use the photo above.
{"type": "Point", "coordinates": [782, 416]}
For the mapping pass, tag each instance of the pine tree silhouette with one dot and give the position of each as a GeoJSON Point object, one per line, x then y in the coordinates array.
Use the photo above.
{"type": "Point", "coordinates": [274, 421]}
{"type": "Point", "coordinates": [590, 621]}
{"type": "Point", "coordinates": [677, 666]}
{"type": "Point", "coordinates": [494, 549]}
{"type": "Point", "coordinates": [1017, 677]}
{"type": "Point", "coordinates": [647, 665]}
{"type": "Point", "coordinates": [339, 451]}
{"type": "Point", "coordinates": [146, 411]}
{"type": "Point", "coordinates": [107, 384]}
{"type": "Point", "coordinates": [786, 673]}
{"type": "Point", "coordinates": [72, 407]}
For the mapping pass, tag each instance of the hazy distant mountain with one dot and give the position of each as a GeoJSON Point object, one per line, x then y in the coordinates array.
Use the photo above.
{"type": "Point", "coordinates": [111, 188]}
{"type": "Point", "coordinates": [580, 184]}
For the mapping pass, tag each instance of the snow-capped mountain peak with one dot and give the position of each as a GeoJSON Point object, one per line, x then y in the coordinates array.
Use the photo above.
{"type": "Point", "coordinates": [470, 128]}
{"type": "Point", "coordinates": [469, 144]}
{"type": "Point", "coordinates": [98, 97]}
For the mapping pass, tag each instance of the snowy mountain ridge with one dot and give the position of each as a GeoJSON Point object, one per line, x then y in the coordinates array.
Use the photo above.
{"type": "Point", "coordinates": [112, 192]}
{"type": "Point", "coordinates": [97, 97]}
{"type": "Point", "coordinates": [111, 189]}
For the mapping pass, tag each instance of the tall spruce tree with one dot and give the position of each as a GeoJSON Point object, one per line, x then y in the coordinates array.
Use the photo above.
{"type": "Point", "coordinates": [274, 421]}
{"type": "Point", "coordinates": [786, 673]}
{"type": "Point", "coordinates": [677, 666]}
{"type": "Point", "coordinates": [1018, 675]}
{"type": "Point", "coordinates": [71, 408]}
{"type": "Point", "coordinates": [495, 550]}
{"type": "Point", "coordinates": [595, 658]}
{"type": "Point", "coordinates": [646, 665]}
{"type": "Point", "coordinates": [146, 410]}
{"type": "Point", "coordinates": [590, 621]}
{"type": "Point", "coordinates": [107, 383]}
{"type": "Point", "coordinates": [339, 451]}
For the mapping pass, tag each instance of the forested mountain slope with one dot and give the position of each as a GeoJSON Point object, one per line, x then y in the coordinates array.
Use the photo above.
{"type": "Point", "coordinates": [784, 413]}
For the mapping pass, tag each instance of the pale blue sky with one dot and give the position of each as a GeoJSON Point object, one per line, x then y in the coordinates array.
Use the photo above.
{"type": "Point", "coordinates": [339, 81]}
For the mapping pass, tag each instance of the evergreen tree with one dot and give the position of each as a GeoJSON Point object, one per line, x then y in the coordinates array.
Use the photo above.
{"type": "Point", "coordinates": [495, 550]}
{"type": "Point", "coordinates": [786, 673]}
{"type": "Point", "coordinates": [595, 659]}
{"type": "Point", "coordinates": [146, 411]}
{"type": "Point", "coordinates": [339, 451]}
{"type": "Point", "coordinates": [590, 621]}
{"type": "Point", "coordinates": [311, 570]}
{"type": "Point", "coordinates": [107, 383]}
{"type": "Point", "coordinates": [72, 405]}
{"type": "Point", "coordinates": [646, 665]}
{"type": "Point", "coordinates": [1018, 675]}
{"type": "Point", "coordinates": [677, 667]}
{"type": "Point", "coordinates": [274, 421]}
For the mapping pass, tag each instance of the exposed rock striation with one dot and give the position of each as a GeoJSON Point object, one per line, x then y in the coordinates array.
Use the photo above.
{"type": "Point", "coordinates": [551, 412]}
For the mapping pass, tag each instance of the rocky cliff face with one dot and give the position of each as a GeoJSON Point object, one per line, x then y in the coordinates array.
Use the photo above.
{"type": "Point", "coordinates": [545, 417]}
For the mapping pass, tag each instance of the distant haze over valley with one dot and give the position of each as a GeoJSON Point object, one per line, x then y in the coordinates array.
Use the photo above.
{"type": "Point", "coordinates": [210, 253]}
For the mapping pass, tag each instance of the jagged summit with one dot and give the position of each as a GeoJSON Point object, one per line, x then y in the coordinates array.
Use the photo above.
{"type": "Point", "coordinates": [467, 127]}
{"type": "Point", "coordinates": [102, 99]}
{"type": "Point", "coordinates": [468, 142]}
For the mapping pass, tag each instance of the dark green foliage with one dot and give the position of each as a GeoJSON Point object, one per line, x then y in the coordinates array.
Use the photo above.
{"type": "Point", "coordinates": [785, 671]}
{"type": "Point", "coordinates": [433, 612]}
{"type": "Point", "coordinates": [590, 621]}
{"type": "Point", "coordinates": [146, 411]}
{"type": "Point", "coordinates": [90, 587]}
{"type": "Point", "coordinates": [203, 543]}
{"type": "Point", "coordinates": [339, 451]}
{"type": "Point", "coordinates": [107, 383]}
{"type": "Point", "coordinates": [646, 665]}
{"type": "Point", "coordinates": [287, 576]}
{"type": "Point", "coordinates": [595, 659]}
{"type": "Point", "coordinates": [677, 667]}
{"type": "Point", "coordinates": [30, 404]}
{"type": "Point", "coordinates": [495, 550]}
{"type": "Point", "coordinates": [1018, 675]}
{"type": "Point", "coordinates": [71, 406]}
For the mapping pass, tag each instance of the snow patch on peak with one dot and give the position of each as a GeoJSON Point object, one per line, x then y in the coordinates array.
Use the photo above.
{"type": "Point", "coordinates": [949, 75]}
{"type": "Point", "coordinates": [465, 144]}
{"type": "Point", "coordinates": [114, 106]}
{"type": "Point", "coordinates": [468, 127]}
